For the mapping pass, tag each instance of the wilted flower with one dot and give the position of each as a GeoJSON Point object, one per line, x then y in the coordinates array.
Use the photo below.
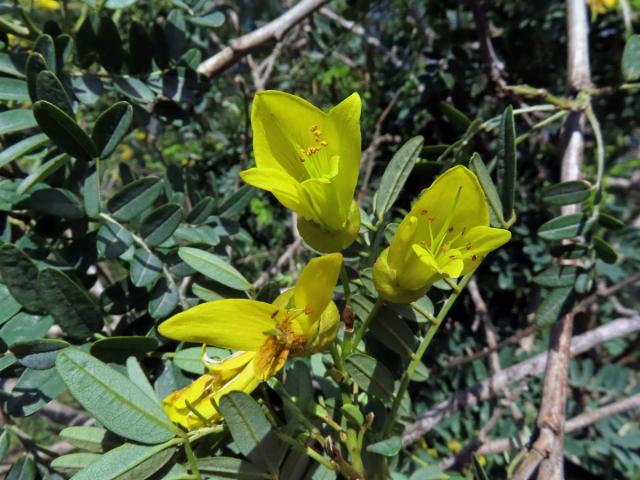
{"type": "Point", "coordinates": [301, 321]}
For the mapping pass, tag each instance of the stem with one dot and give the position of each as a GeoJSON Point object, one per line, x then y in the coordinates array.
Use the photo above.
{"type": "Point", "coordinates": [364, 327]}
{"type": "Point", "coordinates": [193, 463]}
{"type": "Point", "coordinates": [348, 333]}
{"type": "Point", "coordinates": [312, 453]}
{"type": "Point", "coordinates": [422, 348]}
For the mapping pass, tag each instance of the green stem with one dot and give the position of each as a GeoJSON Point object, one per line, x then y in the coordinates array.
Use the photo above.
{"type": "Point", "coordinates": [310, 452]}
{"type": "Point", "coordinates": [193, 463]}
{"type": "Point", "coordinates": [422, 348]}
{"type": "Point", "coordinates": [364, 327]}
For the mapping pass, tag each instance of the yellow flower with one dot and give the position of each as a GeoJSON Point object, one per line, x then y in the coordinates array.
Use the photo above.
{"type": "Point", "coordinates": [301, 321]}
{"type": "Point", "coordinates": [601, 6]}
{"type": "Point", "coordinates": [309, 160]}
{"type": "Point", "coordinates": [445, 235]}
{"type": "Point", "coordinates": [454, 446]}
{"type": "Point", "coordinates": [47, 4]}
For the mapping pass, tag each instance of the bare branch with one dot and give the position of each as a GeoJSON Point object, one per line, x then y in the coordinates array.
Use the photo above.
{"type": "Point", "coordinates": [514, 374]}
{"type": "Point", "coordinates": [274, 30]}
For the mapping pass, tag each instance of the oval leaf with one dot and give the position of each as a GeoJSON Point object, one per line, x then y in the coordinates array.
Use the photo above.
{"type": "Point", "coordinates": [566, 226]}
{"type": "Point", "coordinates": [113, 399]}
{"type": "Point", "coordinates": [20, 275]}
{"type": "Point", "coordinates": [111, 127]}
{"type": "Point", "coordinates": [64, 131]}
{"type": "Point", "coordinates": [370, 375]}
{"type": "Point", "coordinates": [213, 267]}
{"type": "Point", "coordinates": [49, 88]}
{"type": "Point", "coordinates": [134, 198]}
{"type": "Point", "coordinates": [566, 193]}
{"type": "Point", "coordinates": [396, 175]}
{"type": "Point", "coordinates": [69, 304]}
{"type": "Point", "coordinates": [160, 224]}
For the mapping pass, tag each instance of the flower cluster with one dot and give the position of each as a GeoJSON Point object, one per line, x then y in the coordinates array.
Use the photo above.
{"type": "Point", "coordinates": [309, 160]}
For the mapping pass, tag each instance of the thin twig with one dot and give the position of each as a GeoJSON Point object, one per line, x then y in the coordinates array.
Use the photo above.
{"type": "Point", "coordinates": [533, 366]}
{"type": "Point", "coordinates": [274, 30]}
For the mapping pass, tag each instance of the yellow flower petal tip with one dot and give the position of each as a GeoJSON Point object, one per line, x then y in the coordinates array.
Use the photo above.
{"type": "Point", "coordinates": [301, 321]}
{"type": "Point", "coordinates": [445, 235]}
{"type": "Point", "coordinates": [309, 160]}
{"type": "Point", "coordinates": [602, 6]}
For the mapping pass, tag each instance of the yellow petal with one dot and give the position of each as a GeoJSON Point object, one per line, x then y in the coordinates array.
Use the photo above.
{"type": "Point", "coordinates": [283, 186]}
{"type": "Point", "coordinates": [232, 323]}
{"type": "Point", "coordinates": [477, 242]}
{"type": "Point", "coordinates": [435, 207]}
{"type": "Point", "coordinates": [228, 367]}
{"type": "Point", "coordinates": [315, 285]}
{"type": "Point", "coordinates": [344, 137]}
{"type": "Point", "coordinates": [388, 285]}
{"type": "Point", "coordinates": [235, 373]}
{"type": "Point", "coordinates": [419, 269]}
{"type": "Point", "coordinates": [327, 241]}
{"type": "Point", "coordinates": [281, 127]}
{"type": "Point", "coordinates": [402, 240]}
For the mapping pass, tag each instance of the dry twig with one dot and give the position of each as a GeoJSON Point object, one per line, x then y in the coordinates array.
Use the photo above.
{"type": "Point", "coordinates": [274, 30]}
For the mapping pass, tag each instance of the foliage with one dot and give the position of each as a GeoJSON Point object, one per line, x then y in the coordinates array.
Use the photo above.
{"type": "Point", "coordinates": [121, 205]}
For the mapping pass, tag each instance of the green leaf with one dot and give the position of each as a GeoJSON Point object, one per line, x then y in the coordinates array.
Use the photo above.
{"type": "Point", "coordinates": [610, 222]}
{"type": "Point", "coordinates": [13, 121]}
{"type": "Point", "coordinates": [93, 439]}
{"type": "Point", "coordinates": [24, 327]}
{"type": "Point", "coordinates": [5, 440]}
{"type": "Point", "coordinates": [113, 240]}
{"type": "Point", "coordinates": [85, 42]}
{"type": "Point", "coordinates": [12, 89]}
{"type": "Point", "coordinates": [389, 447]}
{"type": "Point", "coordinates": [353, 414]}
{"type": "Point", "coordinates": [134, 198]}
{"type": "Point", "coordinates": [249, 428]}
{"type": "Point", "coordinates": [91, 193]}
{"type": "Point", "coordinates": [200, 211]}
{"type": "Point", "coordinates": [455, 116]}
{"type": "Point", "coordinates": [69, 304]}
{"type": "Point", "coordinates": [164, 299]}
{"type": "Point", "coordinates": [137, 376]}
{"type": "Point", "coordinates": [604, 251]}
{"type": "Point", "coordinates": [135, 89]}
{"type": "Point", "coordinates": [479, 168]}
{"type": "Point", "coordinates": [175, 29]}
{"type": "Point", "coordinates": [49, 88]}
{"type": "Point", "coordinates": [9, 306]}
{"type": "Point", "coordinates": [45, 46]}
{"type": "Point", "coordinates": [57, 202]}
{"type": "Point", "coordinates": [38, 354]}
{"type": "Point", "coordinates": [13, 64]}
{"type": "Point", "coordinates": [370, 375]}
{"type": "Point", "coordinates": [396, 175]}
{"type": "Point", "coordinates": [128, 462]}
{"type": "Point", "coordinates": [42, 172]}
{"type": "Point", "coordinates": [145, 268]}
{"type": "Point", "coordinates": [557, 276]}
{"type": "Point", "coordinates": [210, 20]}
{"type": "Point", "coordinates": [566, 193]}
{"type": "Point", "coordinates": [160, 224]}
{"type": "Point", "coordinates": [631, 59]}
{"type": "Point", "coordinates": [393, 332]}
{"type": "Point", "coordinates": [190, 360]}
{"type": "Point", "coordinates": [213, 267]}
{"type": "Point", "coordinates": [34, 65]}
{"type": "Point", "coordinates": [21, 148]}
{"type": "Point", "coordinates": [566, 226]}
{"type": "Point", "coordinates": [34, 389]}
{"type": "Point", "coordinates": [118, 4]}
{"type": "Point", "coordinates": [109, 45]}
{"type": "Point", "coordinates": [20, 275]}
{"type": "Point", "coordinates": [111, 127]}
{"type": "Point", "coordinates": [555, 304]}
{"type": "Point", "coordinates": [71, 463]}
{"type": "Point", "coordinates": [236, 203]}
{"type": "Point", "coordinates": [23, 469]}
{"type": "Point", "coordinates": [506, 165]}
{"type": "Point", "coordinates": [113, 399]}
{"type": "Point", "coordinates": [64, 131]}
{"type": "Point", "coordinates": [140, 49]}
{"type": "Point", "coordinates": [118, 349]}
{"type": "Point", "coordinates": [232, 468]}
